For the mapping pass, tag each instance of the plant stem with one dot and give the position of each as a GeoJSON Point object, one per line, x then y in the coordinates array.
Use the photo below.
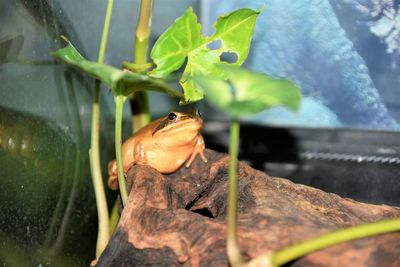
{"type": "Point", "coordinates": [114, 218]}
{"type": "Point", "coordinates": [103, 234]}
{"type": "Point", "coordinates": [233, 250]}
{"type": "Point", "coordinates": [140, 110]}
{"type": "Point", "coordinates": [95, 166]}
{"type": "Point", "coordinates": [106, 30]}
{"type": "Point", "coordinates": [143, 30]}
{"type": "Point", "coordinates": [293, 252]}
{"type": "Point", "coordinates": [119, 104]}
{"type": "Point", "coordinates": [140, 102]}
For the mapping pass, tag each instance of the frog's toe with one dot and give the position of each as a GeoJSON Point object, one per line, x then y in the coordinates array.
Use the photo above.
{"type": "Point", "coordinates": [203, 157]}
{"type": "Point", "coordinates": [113, 182]}
{"type": "Point", "coordinates": [112, 167]}
{"type": "Point", "coordinates": [112, 175]}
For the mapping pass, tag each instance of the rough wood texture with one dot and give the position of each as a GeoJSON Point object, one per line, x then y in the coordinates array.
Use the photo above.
{"type": "Point", "coordinates": [179, 219]}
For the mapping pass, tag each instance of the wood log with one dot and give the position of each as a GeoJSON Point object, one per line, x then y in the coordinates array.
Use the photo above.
{"type": "Point", "coordinates": [179, 219]}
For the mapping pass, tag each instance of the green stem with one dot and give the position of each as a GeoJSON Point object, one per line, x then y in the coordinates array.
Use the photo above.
{"type": "Point", "coordinates": [119, 104]}
{"type": "Point", "coordinates": [103, 234]}
{"type": "Point", "coordinates": [114, 218]}
{"type": "Point", "coordinates": [97, 179]}
{"type": "Point", "coordinates": [140, 102]}
{"type": "Point", "coordinates": [106, 30]}
{"type": "Point", "coordinates": [293, 252]}
{"type": "Point", "coordinates": [233, 250]}
{"type": "Point", "coordinates": [143, 30]}
{"type": "Point", "coordinates": [140, 110]}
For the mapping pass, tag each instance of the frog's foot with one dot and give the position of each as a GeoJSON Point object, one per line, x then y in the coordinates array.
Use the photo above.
{"type": "Point", "coordinates": [93, 262]}
{"type": "Point", "coordinates": [198, 149]}
{"type": "Point", "coordinates": [113, 175]}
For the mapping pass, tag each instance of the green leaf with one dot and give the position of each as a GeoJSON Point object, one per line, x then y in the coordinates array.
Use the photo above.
{"type": "Point", "coordinates": [218, 92]}
{"type": "Point", "coordinates": [247, 92]}
{"type": "Point", "coordinates": [183, 40]}
{"type": "Point", "coordinates": [200, 62]}
{"type": "Point", "coordinates": [120, 82]}
{"type": "Point", "coordinates": [235, 31]}
{"type": "Point", "coordinates": [262, 88]}
{"type": "Point", "coordinates": [173, 46]}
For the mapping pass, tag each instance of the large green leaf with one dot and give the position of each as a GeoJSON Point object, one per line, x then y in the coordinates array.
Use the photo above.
{"type": "Point", "coordinates": [183, 40]}
{"type": "Point", "coordinates": [120, 82]}
{"type": "Point", "coordinates": [247, 92]}
{"type": "Point", "coordinates": [173, 46]}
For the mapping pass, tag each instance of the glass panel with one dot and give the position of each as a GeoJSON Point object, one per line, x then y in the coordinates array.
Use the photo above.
{"type": "Point", "coordinates": [47, 207]}
{"type": "Point", "coordinates": [345, 55]}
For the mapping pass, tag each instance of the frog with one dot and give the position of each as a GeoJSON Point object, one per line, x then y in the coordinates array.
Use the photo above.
{"type": "Point", "coordinates": [165, 144]}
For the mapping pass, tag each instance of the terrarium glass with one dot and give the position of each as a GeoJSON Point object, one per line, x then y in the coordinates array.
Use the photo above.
{"type": "Point", "coordinates": [47, 205]}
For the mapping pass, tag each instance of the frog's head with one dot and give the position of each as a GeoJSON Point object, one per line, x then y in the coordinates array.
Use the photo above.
{"type": "Point", "coordinates": [179, 125]}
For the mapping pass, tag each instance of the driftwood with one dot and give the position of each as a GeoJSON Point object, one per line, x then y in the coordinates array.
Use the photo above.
{"type": "Point", "coordinates": [179, 219]}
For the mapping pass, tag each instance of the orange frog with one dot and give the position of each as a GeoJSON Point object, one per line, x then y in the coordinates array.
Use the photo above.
{"type": "Point", "coordinates": [165, 144]}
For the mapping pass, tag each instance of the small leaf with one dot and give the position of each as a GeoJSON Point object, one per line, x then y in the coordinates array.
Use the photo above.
{"type": "Point", "coordinates": [247, 92]}
{"type": "Point", "coordinates": [235, 31]}
{"type": "Point", "coordinates": [120, 82]}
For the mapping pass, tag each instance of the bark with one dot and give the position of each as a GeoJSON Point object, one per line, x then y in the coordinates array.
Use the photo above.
{"type": "Point", "coordinates": [179, 219]}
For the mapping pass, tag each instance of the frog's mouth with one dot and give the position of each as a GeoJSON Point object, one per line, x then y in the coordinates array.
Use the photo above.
{"type": "Point", "coordinates": [186, 123]}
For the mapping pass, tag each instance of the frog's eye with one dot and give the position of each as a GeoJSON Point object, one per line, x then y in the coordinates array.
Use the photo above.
{"type": "Point", "coordinates": [171, 116]}
{"type": "Point", "coordinates": [199, 113]}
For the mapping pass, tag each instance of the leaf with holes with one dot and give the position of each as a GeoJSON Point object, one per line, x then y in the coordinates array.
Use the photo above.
{"type": "Point", "coordinates": [183, 40]}
{"type": "Point", "coordinates": [173, 46]}
{"type": "Point", "coordinates": [235, 31]}
{"type": "Point", "coordinates": [200, 62]}
{"type": "Point", "coordinates": [247, 92]}
{"type": "Point", "coordinates": [120, 82]}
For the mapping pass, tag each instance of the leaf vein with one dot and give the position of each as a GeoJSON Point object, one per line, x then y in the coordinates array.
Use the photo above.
{"type": "Point", "coordinates": [189, 33]}
{"type": "Point", "coordinates": [230, 29]}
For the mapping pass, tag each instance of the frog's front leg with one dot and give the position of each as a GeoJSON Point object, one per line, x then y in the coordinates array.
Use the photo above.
{"type": "Point", "coordinates": [140, 155]}
{"type": "Point", "coordinates": [131, 154]}
{"type": "Point", "coordinates": [198, 149]}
